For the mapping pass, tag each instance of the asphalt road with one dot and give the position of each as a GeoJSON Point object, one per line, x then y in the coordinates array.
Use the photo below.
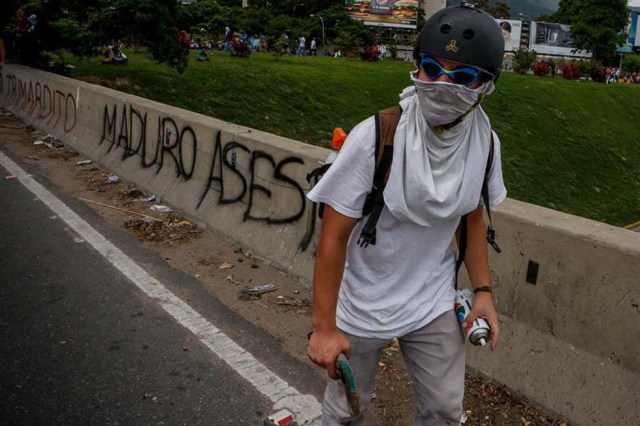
{"type": "Point", "coordinates": [80, 344]}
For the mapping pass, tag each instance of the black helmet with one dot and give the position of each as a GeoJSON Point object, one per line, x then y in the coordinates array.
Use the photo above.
{"type": "Point", "coordinates": [463, 34]}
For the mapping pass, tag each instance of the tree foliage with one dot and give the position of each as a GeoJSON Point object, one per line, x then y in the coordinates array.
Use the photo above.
{"type": "Point", "coordinates": [631, 63]}
{"type": "Point", "coordinates": [523, 60]}
{"type": "Point", "coordinates": [500, 10]}
{"type": "Point", "coordinates": [596, 25]}
{"type": "Point", "coordinates": [84, 27]}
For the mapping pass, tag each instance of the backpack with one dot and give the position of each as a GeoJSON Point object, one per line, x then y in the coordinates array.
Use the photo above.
{"type": "Point", "coordinates": [386, 122]}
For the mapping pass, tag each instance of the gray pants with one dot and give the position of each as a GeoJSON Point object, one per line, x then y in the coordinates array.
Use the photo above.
{"type": "Point", "coordinates": [435, 358]}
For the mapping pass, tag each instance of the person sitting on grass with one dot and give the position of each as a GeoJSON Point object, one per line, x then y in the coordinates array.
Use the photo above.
{"type": "Point", "coordinates": [202, 55]}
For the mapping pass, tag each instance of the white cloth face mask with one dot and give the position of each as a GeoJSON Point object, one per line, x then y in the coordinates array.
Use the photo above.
{"type": "Point", "coordinates": [442, 103]}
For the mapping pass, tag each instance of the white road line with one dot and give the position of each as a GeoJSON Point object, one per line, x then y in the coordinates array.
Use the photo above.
{"type": "Point", "coordinates": [306, 408]}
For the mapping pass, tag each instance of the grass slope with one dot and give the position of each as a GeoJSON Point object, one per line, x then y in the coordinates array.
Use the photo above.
{"type": "Point", "coordinates": [573, 146]}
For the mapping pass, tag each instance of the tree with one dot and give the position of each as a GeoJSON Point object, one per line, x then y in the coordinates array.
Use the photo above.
{"type": "Point", "coordinates": [207, 14]}
{"type": "Point", "coordinates": [631, 63]}
{"type": "Point", "coordinates": [596, 25]}
{"type": "Point", "coordinates": [567, 9]}
{"type": "Point", "coordinates": [501, 10]}
{"type": "Point", "coordinates": [82, 27]}
{"type": "Point", "coordinates": [151, 23]}
{"type": "Point", "coordinates": [523, 60]}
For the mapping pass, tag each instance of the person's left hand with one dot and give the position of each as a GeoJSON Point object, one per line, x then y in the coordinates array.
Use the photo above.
{"type": "Point", "coordinates": [483, 307]}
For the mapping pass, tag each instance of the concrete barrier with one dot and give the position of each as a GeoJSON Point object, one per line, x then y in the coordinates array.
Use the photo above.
{"type": "Point", "coordinates": [248, 184]}
{"type": "Point", "coordinates": [566, 287]}
{"type": "Point", "coordinates": [568, 293]}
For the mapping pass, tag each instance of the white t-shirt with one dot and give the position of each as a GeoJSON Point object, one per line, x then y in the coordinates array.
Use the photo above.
{"type": "Point", "coordinates": [407, 279]}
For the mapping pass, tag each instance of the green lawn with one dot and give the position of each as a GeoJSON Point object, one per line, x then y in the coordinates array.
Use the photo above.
{"type": "Point", "coordinates": [573, 146]}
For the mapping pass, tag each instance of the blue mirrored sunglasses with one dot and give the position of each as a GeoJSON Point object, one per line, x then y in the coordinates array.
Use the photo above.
{"type": "Point", "coordinates": [463, 75]}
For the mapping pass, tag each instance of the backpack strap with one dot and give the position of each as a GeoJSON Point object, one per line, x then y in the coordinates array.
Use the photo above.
{"type": "Point", "coordinates": [386, 124]}
{"type": "Point", "coordinates": [491, 233]}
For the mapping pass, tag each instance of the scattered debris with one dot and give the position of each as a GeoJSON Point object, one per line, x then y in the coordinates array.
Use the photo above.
{"type": "Point", "coordinates": [158, 208]}
{"type": "Point", "coordinates": [225, 265]}
{"type": "Point", "coordinates": [10, 177]}
{"type": "Point", "coordinates": [281, 418]}
{"type": "Point", "coordinates": [133, 192]}
{"type": "Point", "coordinates": [290, 301]}
{"type": "Point", "coordinates": [261, 289]}
{"type": "Point", "coordinates": [137, 195]}
{"type": "Point", "coordinates": [83, 162]}
{"type": "Point", "coordinates": [233, 281]}
{"type": "Point", "coordinates": [146, 199]}
{"type": "Point", "coordinates": [121, 209]}
{"type": "Point", "coordinates": [261, 304]}
{"type": "Point", "coordinates": [49, 141]}
{"type": "Point", "coordinates": [112, 180]}
{"type": "Point", "coordinates": [166, 231]}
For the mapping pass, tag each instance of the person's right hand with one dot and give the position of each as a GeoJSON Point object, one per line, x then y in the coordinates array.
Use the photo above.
{"type": "Point", "coordinates": [324, 348]}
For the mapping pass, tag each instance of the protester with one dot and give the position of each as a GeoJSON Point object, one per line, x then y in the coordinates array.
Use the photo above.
{"type": "Point", "coordinates": [202, 55]}
{"type": "Point", "coordinates": [312, 48]}
{"type": "Point", "coordinates": [382, 51]}
{"type": "Point", "coordinates": [228, 37]}
{"type": "Point", "coordinates": [302, 45]}
{"type": "Point", "coordinates": [403, 286]}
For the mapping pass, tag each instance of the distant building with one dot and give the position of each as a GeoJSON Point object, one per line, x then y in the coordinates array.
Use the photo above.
{"type": "Point", "coordinates": [632, 31]}
{"type": "Point", "coordinates": [186, 1]}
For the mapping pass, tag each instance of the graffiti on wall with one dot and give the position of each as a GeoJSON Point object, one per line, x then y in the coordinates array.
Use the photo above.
{"type": "Point", "coordinates": [235, 173]}
{"type": "Point", "coordinates": [128, 129]}
{"type": "Point", "coordinates": [51, 107]}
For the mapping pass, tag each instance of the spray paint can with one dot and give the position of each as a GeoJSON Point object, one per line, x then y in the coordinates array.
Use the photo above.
{"type": "Point", "coordinates": [478, 332]}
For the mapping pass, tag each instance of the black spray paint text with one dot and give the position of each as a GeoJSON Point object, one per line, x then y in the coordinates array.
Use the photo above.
{"type": "Point", "coordinates": [126, 128]}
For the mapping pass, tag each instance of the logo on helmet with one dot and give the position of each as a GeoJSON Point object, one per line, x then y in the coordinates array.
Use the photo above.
{"type": "Point", "coordinates": [452, 46]}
